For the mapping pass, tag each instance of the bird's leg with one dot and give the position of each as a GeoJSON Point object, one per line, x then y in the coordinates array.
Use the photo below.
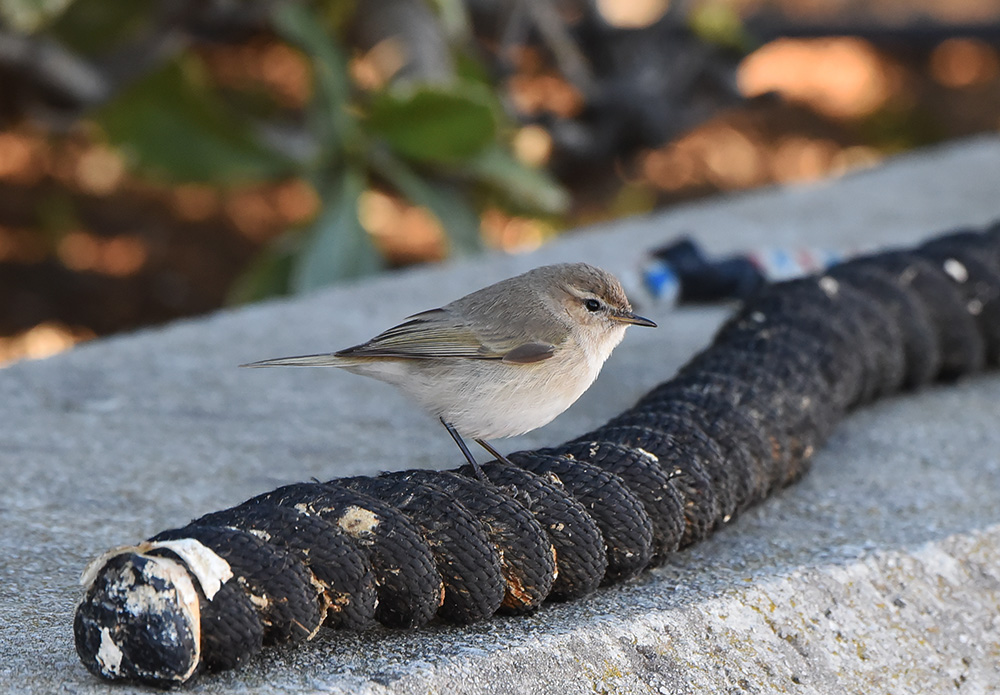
{"type": "Point", "coordinates": [489, 447]}
{"type": "Point", "coordinates": [465, 449]}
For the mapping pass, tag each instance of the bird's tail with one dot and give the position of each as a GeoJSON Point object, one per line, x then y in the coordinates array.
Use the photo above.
{"type": "Point", "coordinates": [326, 360]}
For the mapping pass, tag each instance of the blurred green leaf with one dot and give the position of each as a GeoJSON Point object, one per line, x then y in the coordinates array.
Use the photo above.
{"type": "Point", "coordinates": [268, 275]}
{"type": "Point", "coordinates": [56, 214]}
{"type": "Point", "coordinates": [470, 69]}
{"type": "Point", "coordinates": [338, 247]}
{"type": "Point", "coordinates": [302, 26]}
{"type": "Point", "coordinates": [523, 187]}
{"type": "Point", "coordinates": [175, 127]}
{"type": "Point", "coordinates": [337, 15]}
{"type": "Point", "coordinates": [28, 16]}
{"type": "Point", "coordinates": [720, 23]}
{"type": "Point", "coordinates": [448, 204]}
{"type": "Point", "coordinates": [454, 18]}
{"type": "Point", "coordinates": [94, 27]}
{"type": "Point", "coordinates": [434, 123]}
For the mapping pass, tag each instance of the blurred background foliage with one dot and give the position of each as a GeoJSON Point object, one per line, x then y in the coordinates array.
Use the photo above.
{"type": "Point", "coordinates": [159, 159]}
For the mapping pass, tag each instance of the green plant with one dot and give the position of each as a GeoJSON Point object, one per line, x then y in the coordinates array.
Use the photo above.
{"type": "Point", "coordinates": [441, 144]}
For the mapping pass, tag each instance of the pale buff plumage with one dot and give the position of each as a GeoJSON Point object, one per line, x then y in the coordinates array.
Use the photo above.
{"type": "Point", "coordinates": [503, 360]}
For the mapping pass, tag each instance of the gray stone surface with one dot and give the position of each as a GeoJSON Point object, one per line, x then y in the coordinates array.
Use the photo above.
{"type": "Point", "coordinates": [879, 572]}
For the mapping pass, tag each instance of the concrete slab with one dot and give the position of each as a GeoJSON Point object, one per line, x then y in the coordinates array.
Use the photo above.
{"type": "Point", "coordinates": [878, 572]}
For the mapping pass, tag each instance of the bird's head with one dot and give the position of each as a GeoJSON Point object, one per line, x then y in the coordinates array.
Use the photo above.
{"type": "Point", "coordinates": [595, 302]}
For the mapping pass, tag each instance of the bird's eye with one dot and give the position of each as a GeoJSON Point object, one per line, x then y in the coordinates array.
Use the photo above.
{"type": "Point", "coordinates": [592, 305]}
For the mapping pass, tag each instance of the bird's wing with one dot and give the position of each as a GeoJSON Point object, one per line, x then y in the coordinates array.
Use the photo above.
{"type": "Point", "coordinates": [440, 334]}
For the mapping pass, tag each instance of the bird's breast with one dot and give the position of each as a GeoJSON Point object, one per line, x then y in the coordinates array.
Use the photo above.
{"type": "Point", "coordinates": [503, 400]}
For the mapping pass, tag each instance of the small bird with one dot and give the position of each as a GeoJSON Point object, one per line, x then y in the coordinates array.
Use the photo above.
{"type": "Point", "coordinates": [503, 360]}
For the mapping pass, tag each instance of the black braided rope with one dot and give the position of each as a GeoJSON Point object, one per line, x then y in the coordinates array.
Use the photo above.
{"type": "Point", "coordinates": [739, 421]}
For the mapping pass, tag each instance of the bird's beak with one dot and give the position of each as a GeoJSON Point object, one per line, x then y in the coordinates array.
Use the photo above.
{"type": "Point", "coordinates": [633, 319]}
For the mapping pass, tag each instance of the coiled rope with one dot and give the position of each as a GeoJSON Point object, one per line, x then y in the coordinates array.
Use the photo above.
{"type": "Point", "coordinates": [740, 420]}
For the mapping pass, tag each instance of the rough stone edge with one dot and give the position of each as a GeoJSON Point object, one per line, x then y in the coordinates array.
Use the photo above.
{"type": "Point", "coordinates": [838, 645]}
